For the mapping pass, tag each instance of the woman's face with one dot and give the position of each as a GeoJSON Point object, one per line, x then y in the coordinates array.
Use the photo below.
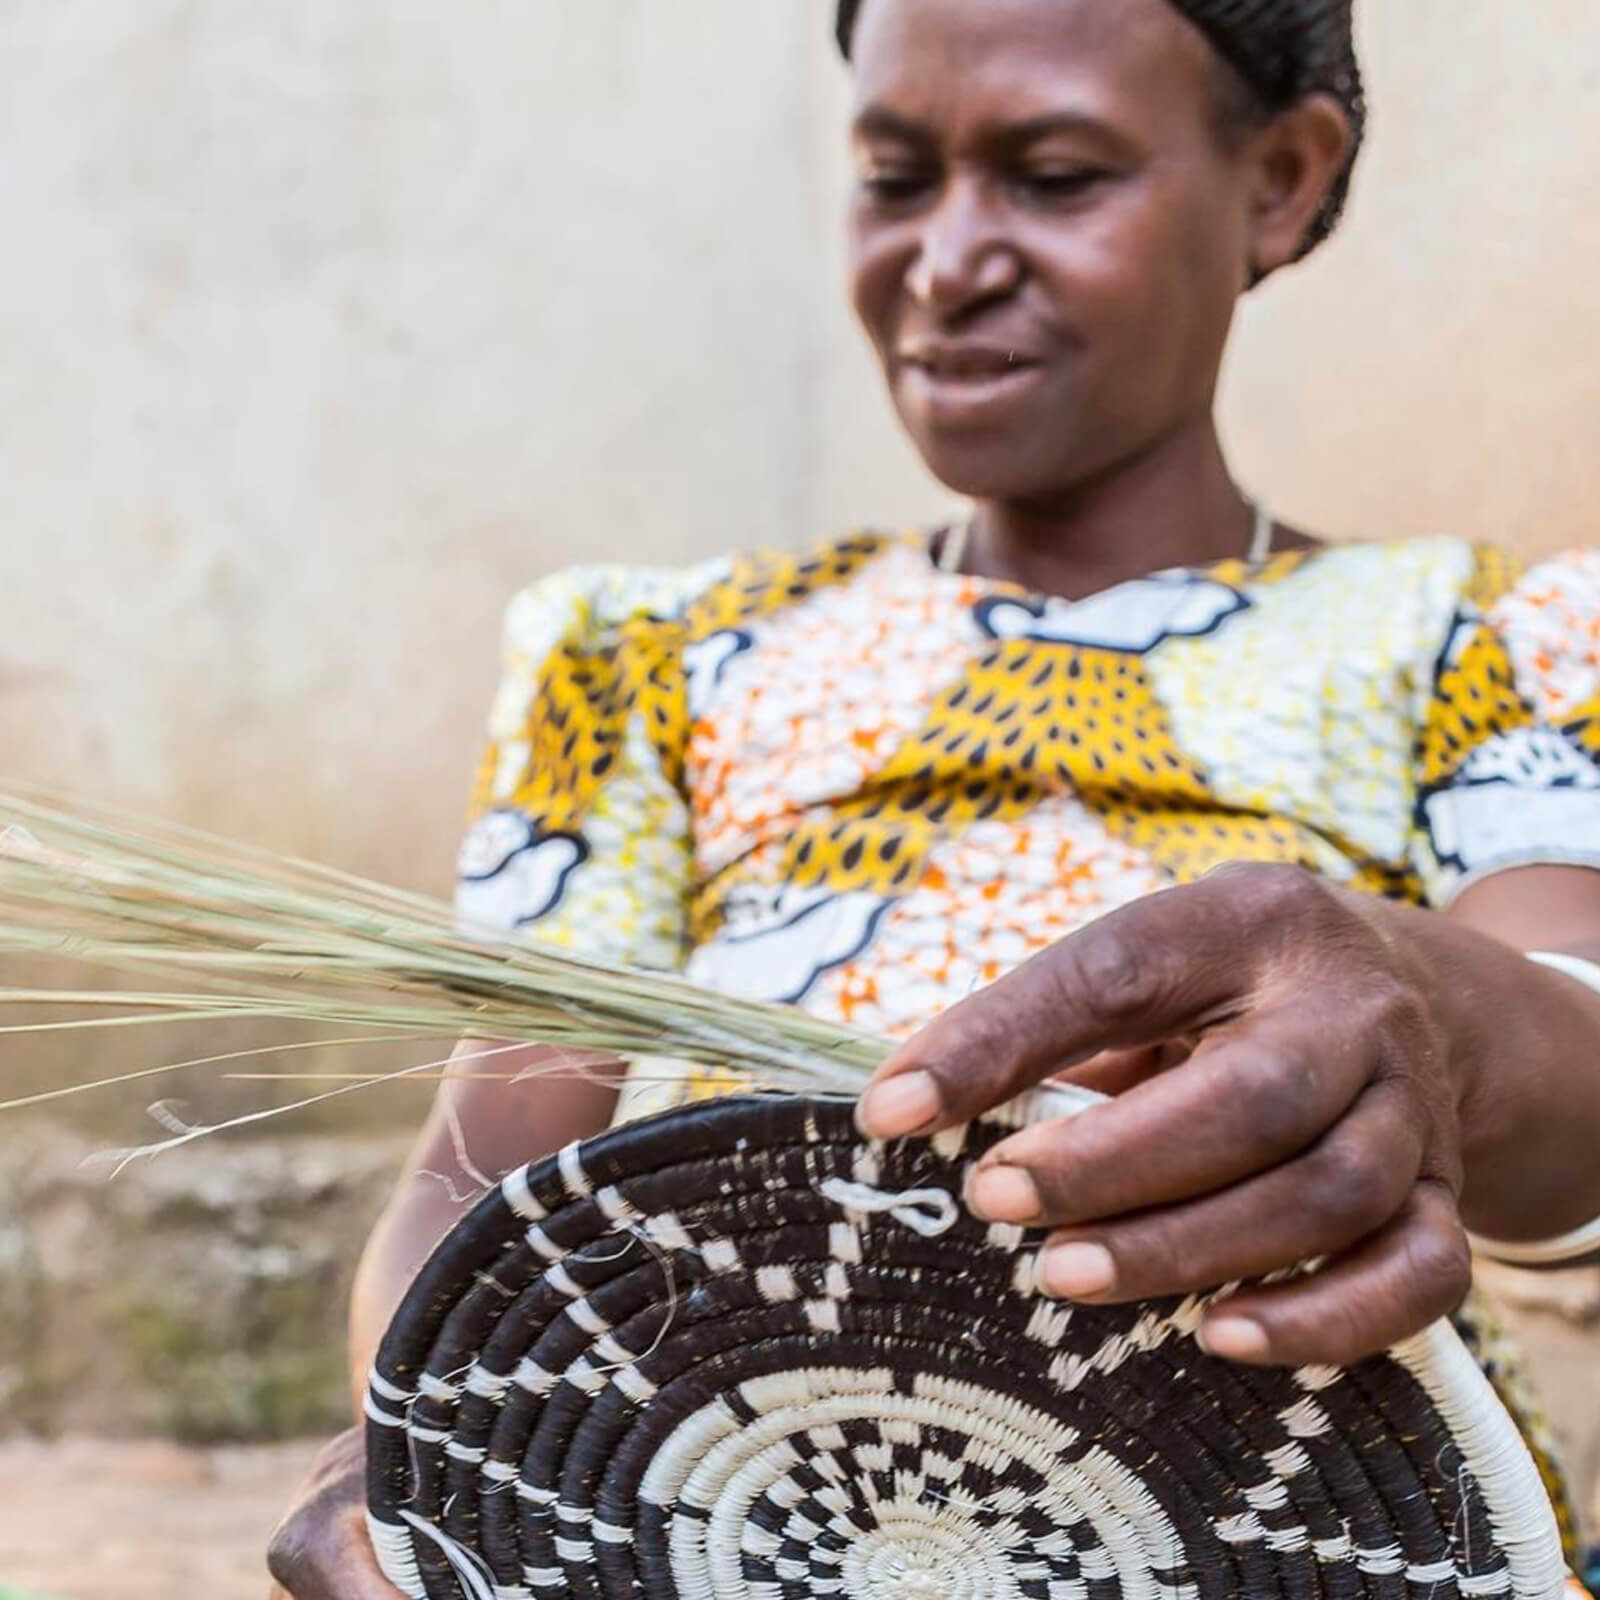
{"type": "Point", "coordinates": [1049, 232]}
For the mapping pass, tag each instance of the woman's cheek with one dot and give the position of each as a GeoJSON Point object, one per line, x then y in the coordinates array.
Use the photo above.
{"type": "Point", "coordinates": [879, 260]}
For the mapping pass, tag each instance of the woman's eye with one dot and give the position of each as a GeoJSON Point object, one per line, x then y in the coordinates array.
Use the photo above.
{"type": "Point", "coordinates": [896, 187]}
{"type": "Point", "coordinates": [1062, 183]}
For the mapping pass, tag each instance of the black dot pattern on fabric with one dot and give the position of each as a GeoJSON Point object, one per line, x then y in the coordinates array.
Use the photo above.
{"type": "Point", "coordinates": [734, 1353]}
{"type": "Point", "coordinates": [1283, 49]}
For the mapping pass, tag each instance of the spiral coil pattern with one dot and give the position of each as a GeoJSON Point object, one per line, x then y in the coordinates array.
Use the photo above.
{"type": "Point", "coordinates": [735, 1353]}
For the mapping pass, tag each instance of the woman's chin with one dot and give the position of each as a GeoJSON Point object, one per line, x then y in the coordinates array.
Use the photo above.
{"type": "Point", "coordinates": [989, 457]}
{"type": "Point", "coordinates": [989, 469]}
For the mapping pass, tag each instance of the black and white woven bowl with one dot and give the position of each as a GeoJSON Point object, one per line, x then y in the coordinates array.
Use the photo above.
{"type": "Point", "coordinates": [737, 1353]}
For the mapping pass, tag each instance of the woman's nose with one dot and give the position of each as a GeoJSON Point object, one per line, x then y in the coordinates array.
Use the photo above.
{"type": "Point", "coordinates": [963, 257]}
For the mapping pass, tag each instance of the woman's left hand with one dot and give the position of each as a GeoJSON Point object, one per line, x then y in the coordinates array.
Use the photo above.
{"type": "Point", "coordinates": [1317, 1112]}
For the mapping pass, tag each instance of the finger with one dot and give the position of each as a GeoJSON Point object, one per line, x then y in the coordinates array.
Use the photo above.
{"type": "Point", "coordinates": [1345, 1188]}
{"type": "Point", "coordinates": [1167, 964]}
{"type": "Point", "coordinates": [1249, 1099]}
{"type": "Point", "coordinates": [319, 1555]}
{"type": "Point", "coordinates": [1114, 1072]}
{"type": "Point", "coordinates": [1404, 1278]}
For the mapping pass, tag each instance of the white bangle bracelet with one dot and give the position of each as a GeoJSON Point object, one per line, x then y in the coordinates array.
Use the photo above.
{"type": "Point", "coordinates": [1582, 1241]}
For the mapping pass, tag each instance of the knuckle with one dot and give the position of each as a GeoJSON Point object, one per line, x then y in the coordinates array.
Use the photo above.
{"type": "Point", "coordinates": [1162, 1261]}
{"type": "Point", "coordinates": [1277, 1086]}
{"type": "Point", "coordinates": [1346, 1187]}
{"type": "Point", "coordinates": [1272, 889]}
{"type": "Point", "coordinates": [969, 1056]}
{"type": "Point", "coordinates": [1339, 1333]}
{"type": "Point", "coordinates": [1392, 1010]}
{"type": "Point", "coordinates": [1438, 1263]}
{"type": "Point", "coordinates": [1306, 1326]}
{"type": "Point", "coordinates": [287, 1556]}
{"type": "Point", "coordinates": [1109, 980]}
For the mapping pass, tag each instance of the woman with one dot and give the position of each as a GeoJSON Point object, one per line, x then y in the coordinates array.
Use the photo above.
{"type": "Point", "coordinates": [971, 791]}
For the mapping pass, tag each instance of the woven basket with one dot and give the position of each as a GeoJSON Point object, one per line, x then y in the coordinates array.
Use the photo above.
{"type": "Point", "coordinates": [736, 1353]}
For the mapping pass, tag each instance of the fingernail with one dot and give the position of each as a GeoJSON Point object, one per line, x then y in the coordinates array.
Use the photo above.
{"type": "Point", "coordinates": [1076, 1271]}
{"type": "Point", "coordinates": [899, 1107]}
{"type": "Point", "coordinates": [1004, 1194]}
{"type": "Point", "coordinates": [1234, 1339]}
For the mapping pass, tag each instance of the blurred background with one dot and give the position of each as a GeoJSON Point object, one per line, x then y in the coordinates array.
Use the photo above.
{"type": "Point", "coordinates": [325, 327]}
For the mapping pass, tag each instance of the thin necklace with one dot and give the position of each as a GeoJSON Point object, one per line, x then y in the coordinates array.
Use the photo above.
{"type": "Point", "coordinates": [953, 550]}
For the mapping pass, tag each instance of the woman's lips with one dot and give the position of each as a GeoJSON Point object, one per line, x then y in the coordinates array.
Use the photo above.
{"type": "Point", "coordinates": [966, 386]}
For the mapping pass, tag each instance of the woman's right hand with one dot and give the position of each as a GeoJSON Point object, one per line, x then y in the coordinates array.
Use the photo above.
{"type": "Point", "coordinates": [321, 1550]}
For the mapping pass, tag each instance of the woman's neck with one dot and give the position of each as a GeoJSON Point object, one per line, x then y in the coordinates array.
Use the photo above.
{"type": "Point", "coordinates": [1176, 506]}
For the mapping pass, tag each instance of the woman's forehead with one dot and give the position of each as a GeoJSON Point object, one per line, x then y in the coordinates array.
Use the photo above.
{"type": "Point", "coordinates": [951, 63]}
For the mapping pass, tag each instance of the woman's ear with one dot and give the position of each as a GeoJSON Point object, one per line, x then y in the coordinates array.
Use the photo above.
{"type": "Point", "coordinates": [1297, 158]}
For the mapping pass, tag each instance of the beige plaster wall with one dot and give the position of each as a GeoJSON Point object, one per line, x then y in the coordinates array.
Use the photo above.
{"type": "Point", "coordinates": [1434, 369]}
{"type": "Point", "coordinates": [325, 325]}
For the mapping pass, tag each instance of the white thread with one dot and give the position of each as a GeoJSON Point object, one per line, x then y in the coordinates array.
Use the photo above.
{"type": "Point", "coordinates": [583, 1376]}
{"type": "Point", "coordinates": [615, 1207]}
{"type": "Point", "coordinates": [532, 1377]}
{"type": "Point", "coordinates": [930, 1212]}
{"type": "Point", "coordinates": [458, 1142]}
{"type": "Point", "coordinates": [563, 1282]}
{"type": "Point", "coordinates": [634, 1385]}
{"type": "Point", "coordinates": [393, 1547]}
{"type": "Point", "coordinates": [776, 1284]}
{"type": "Point", "coordinates": [487, 1385]}
{"type": "Point", "coordinates": [375, 1413]}
{"type": "Point", "coordinates": [570, 1162]}
{"type": "Point", "coordinates": [389, 1391]}
{"type": "Point", "coordinates": [514, 1188]}
{"type": "Point", "coordinates": [468, 1568]}
{"type": "Point", "coordinates": [720, 1255]}
{"type": "Point", "coordinates": [588, 1318]}
{"type": "Point", "coordinates": [666, 1231]}
{"type": "Point", "coordinates": [542, 1245]}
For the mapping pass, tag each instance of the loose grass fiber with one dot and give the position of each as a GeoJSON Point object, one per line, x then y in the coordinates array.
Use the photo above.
{"type": "Point", "coordinates": [222, 931]}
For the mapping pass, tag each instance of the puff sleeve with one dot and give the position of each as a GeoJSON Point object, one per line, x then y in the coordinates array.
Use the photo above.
{"type": "Point", "coordinates": [579, 834]}
{"type": "Point", "coordinates": [1510, 738]}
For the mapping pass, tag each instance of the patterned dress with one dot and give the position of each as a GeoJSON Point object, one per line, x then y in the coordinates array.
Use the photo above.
{"type": "Point", "coordinates": [850, 782]}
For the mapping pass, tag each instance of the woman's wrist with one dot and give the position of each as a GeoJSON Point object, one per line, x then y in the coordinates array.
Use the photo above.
{"type": "Point", "coordinates": [1525, 1036]}
{"type": "Point", "coordinates": [1583, 1241]}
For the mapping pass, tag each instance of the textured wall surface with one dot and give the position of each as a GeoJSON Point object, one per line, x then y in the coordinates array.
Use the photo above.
{"type": "Point", "coordinates": [1432, 371]}
{"type": "Point", "coordinates": [324, 326]}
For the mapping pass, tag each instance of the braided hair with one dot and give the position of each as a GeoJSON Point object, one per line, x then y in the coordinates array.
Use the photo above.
{"type": "Point", "coordinates": [1281, 50]}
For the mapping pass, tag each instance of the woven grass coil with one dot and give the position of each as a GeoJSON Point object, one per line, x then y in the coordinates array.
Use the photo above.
{"type": "Point", "coordinates": [736, 1353]}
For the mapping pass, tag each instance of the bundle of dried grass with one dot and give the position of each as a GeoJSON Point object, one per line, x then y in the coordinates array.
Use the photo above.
{"type": "Point", "coordinates": [226, 931]}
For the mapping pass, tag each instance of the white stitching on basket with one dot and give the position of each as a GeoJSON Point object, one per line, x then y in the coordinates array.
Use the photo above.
{"type": "Point", "coordinates": [930, 1212]}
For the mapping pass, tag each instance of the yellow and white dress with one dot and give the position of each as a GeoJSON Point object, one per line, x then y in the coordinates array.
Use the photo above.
{"type": "Point", "coordinates": [850, 782]}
